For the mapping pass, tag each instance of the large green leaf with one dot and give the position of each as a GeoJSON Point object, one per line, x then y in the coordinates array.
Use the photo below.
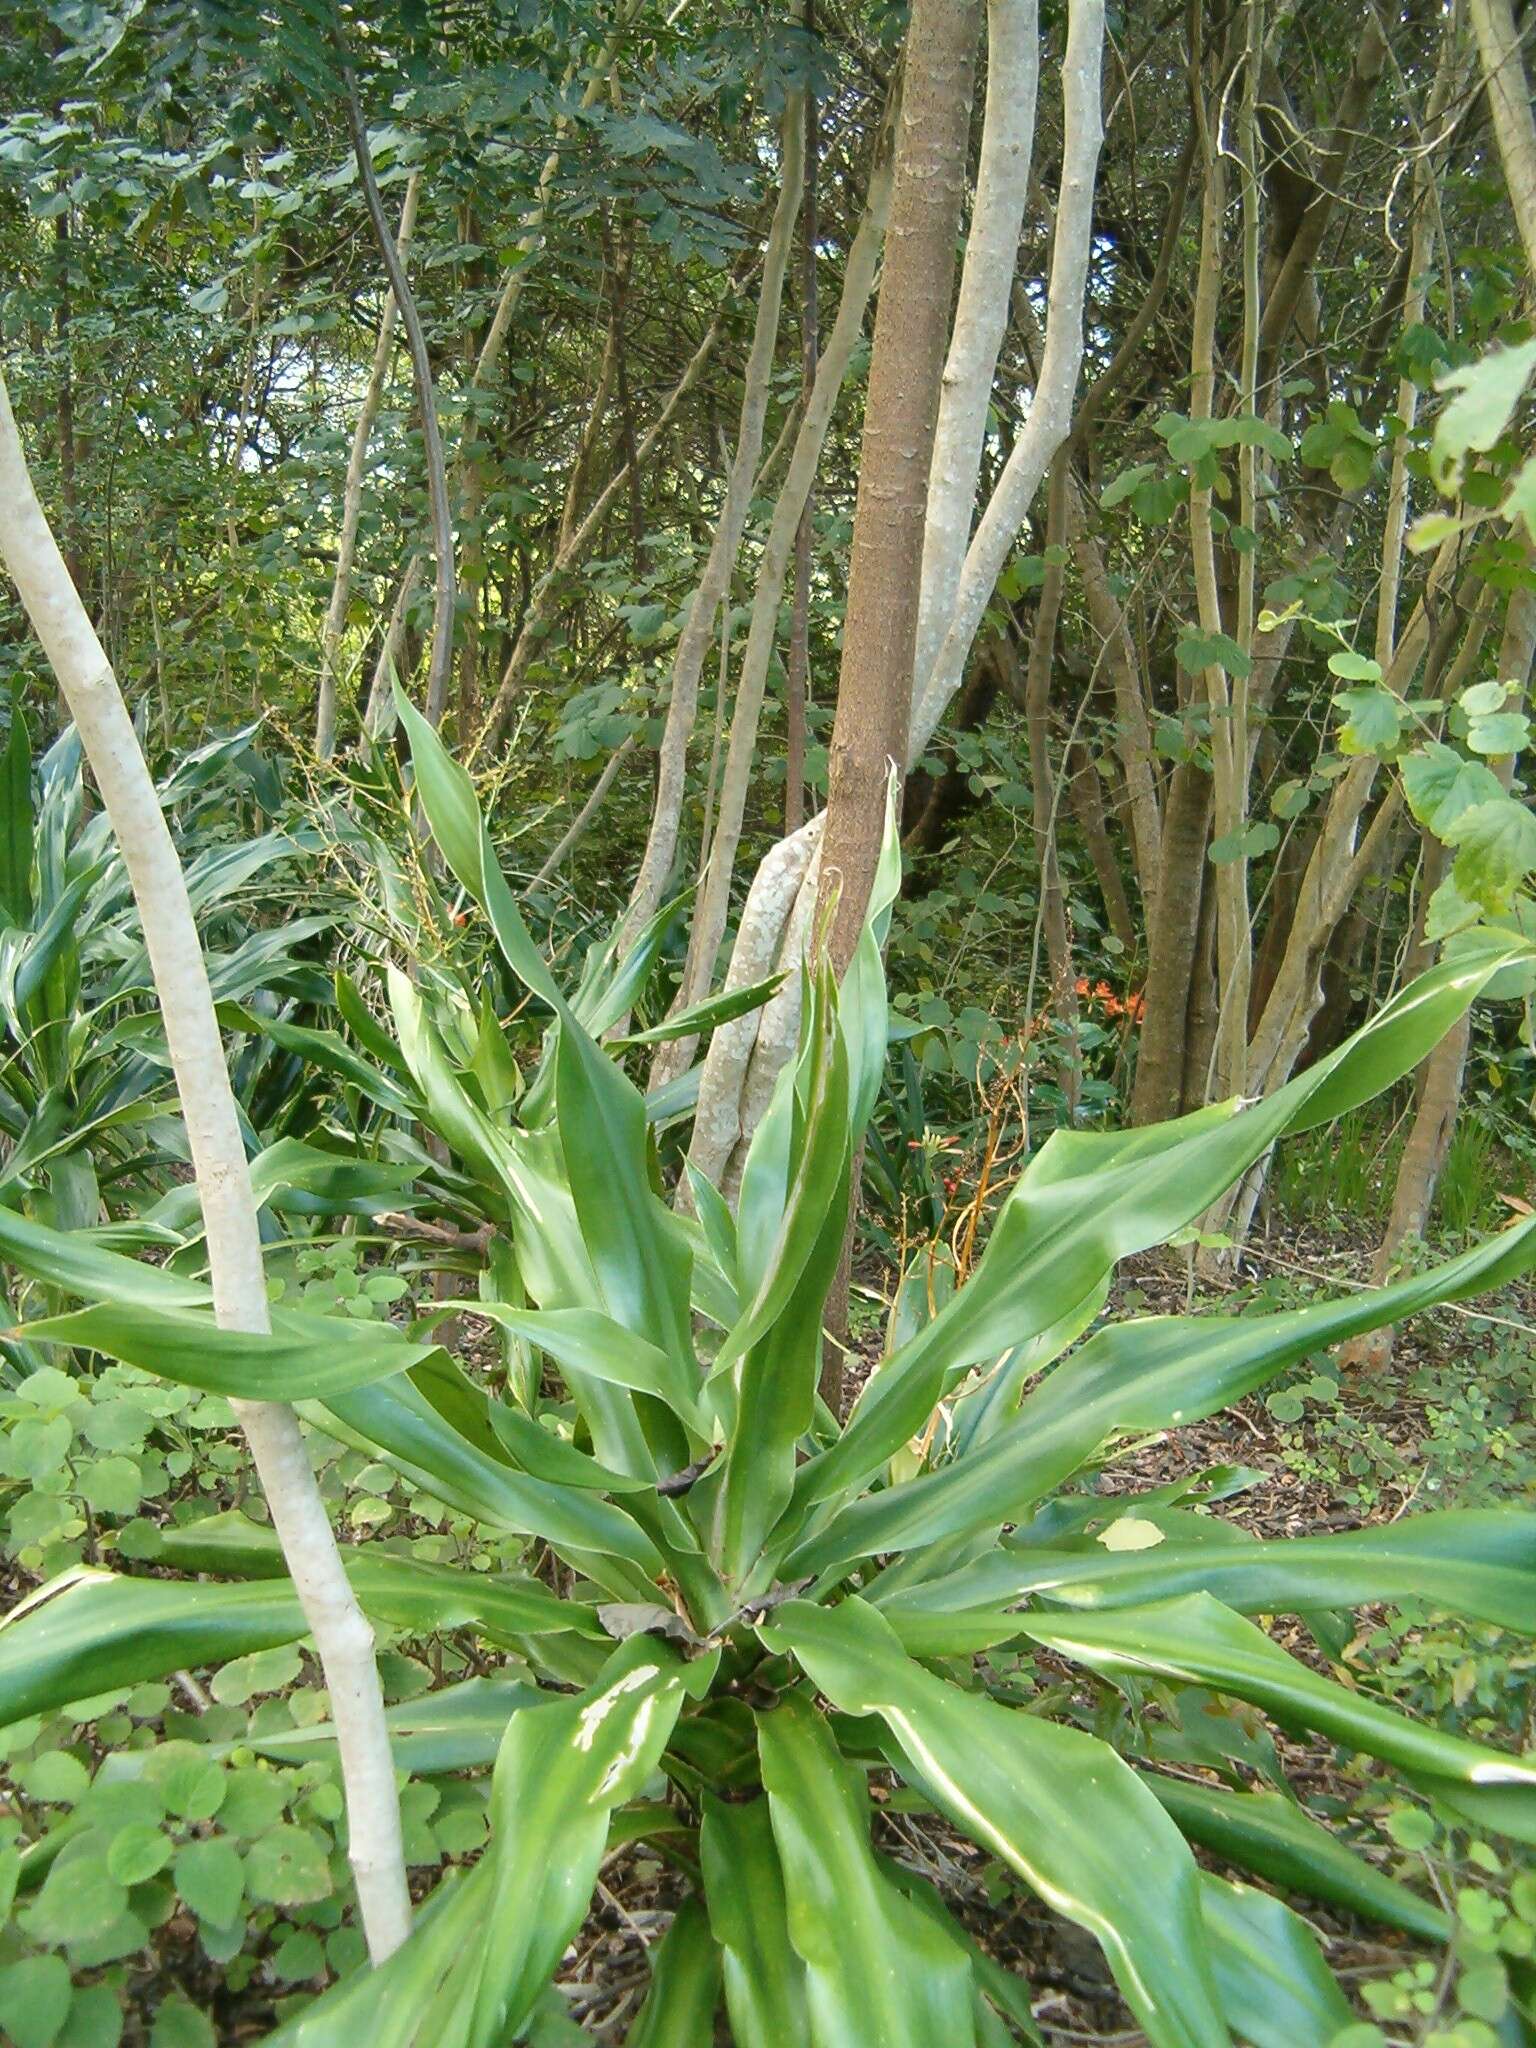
{"type": "Point", "coordinates": [92, 1632]}
{"type": "Point", "coordinates": [451, 1112]}
{"type": "Point", "coordinates": [75, 1263]}
{"type": "Point", "coordinates": [679, 2009]}
{"type": "Point", "coordinates": [1152, 1373]}
{"type": "Point", "coordinates": [584, 1340]}
{"type": "Point", "coordinates": [407, 1591]}
{"type": "Point", "coordinates": [744, 1888]}
{"type": "Point", "coordinates": [611, 985]}
{"type": "Point", "coordinates": [16, 821]}
{"type": "Point", "coordinates": [303, 1355]}
{"type": "Point", "coordinates": [1197, 1641]}
{"type": "Point", "coordinates": [473, 1969]}
{"type": "Point", "coordinates": [1056, 1805]}
{"type": "Point", "coordinates": [1475, 1562]}
{"type": "Point", "coordinates": [878, 1972]}
{"type": "Point", "coordinates": [327, 1050]}
{"type": "Point", "coordinates": [704, 1016]}
{"type": "Point", "coordinates": [1089, 1199]}
{"type": "Point", "coordinates": [1267, 1833]}
{"type": "Point", "coordinates": [448, 798]}
{"type": "Point", "coordinates": [640, 1258]}
{"type": "Point", "coordinates": [998, 1991]}
{"type": "Point", "coordinates": [457, 1729]}
{"type": "Point", "coordinates": [398, 1422]}
{"type": "Point", "coordinates": [774, 1354]}
{"type": "Point", "coordinates": [1274, 1987]}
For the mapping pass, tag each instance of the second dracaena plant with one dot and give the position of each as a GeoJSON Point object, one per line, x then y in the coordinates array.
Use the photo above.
{"type": "Point", "coordinates": [762, 1611]}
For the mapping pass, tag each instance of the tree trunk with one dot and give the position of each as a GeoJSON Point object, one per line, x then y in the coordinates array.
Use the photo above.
{"type": "Point", "coordinates": [710, 917]}
{"type": "Point", "coordinates": [1048, 423]}
{"type": "Point", "coordinates": [1202, 1012]}
{"type": "Point", "coordinates": [1087, 800]}
{"type": "Point", "coordinates": [342, 1635]}
{"type": "Point", "coordinates": [1050, 413]}
{"type": "Point", "coordinates": [874, 689]}
{"type": "Point", "coordinates": [1173, 927]}
{"type": "Point", "coordinates": [981, 312]}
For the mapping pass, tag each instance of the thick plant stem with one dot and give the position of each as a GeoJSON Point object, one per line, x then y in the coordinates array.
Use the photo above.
{"type": "Point", "coordinates": [352, 490]}
{"type": "Point", "coordinates": [981, 312]}
{"type": "Point", "coordinates": [1050, 412]}
{"type": "Point", "coordinates": [762, 630]}
{"type": "Point", "coordinates": [874, 689]}
{"type": "Point", "coordinates": [342, 1634]}
{"type": "Point", "coordinates": [765, 915]}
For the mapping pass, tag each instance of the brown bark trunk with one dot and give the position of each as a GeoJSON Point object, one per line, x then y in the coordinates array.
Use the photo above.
{"type": "Point", "coordinates": [1087, 800]}
{"type": "Point", "coordinates": [874, 696]}
{"type": "Point", "coordinates": [1172, 934]}
{"type": "Point", "coordinates": [1284, 894]}
{"type": "Point", "coordinates": [874, 691]}
{"type": "Point", "coordinates": [1202, 1014]}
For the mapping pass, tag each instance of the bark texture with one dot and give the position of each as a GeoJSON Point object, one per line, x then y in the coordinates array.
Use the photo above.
{"type": "Point", "coordinates": [874, 690]}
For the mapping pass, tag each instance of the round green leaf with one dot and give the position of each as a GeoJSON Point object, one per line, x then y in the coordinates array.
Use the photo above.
{"type": "Point", "coordinates": [211, 1879]}
{"type": "Point", "coordinates": [298, 1957]}
{"type": "Point", "coordinates": [1483, 1992]}
{"type": "Point", "coordinates": [191, 1784]}
{"type": "Point", "coordinates": [180, 2025]}
{"type": "Point", "coordinates": [1411, 1827]}
{"type": "Point", "coordinates": [34, 2000]}
{"type": "Point", "coordinates": [95, 2019]}
{"type": "Point", "coordinates": [137, 1852]}
{"type": "Point", "coordinates": [55, 1779]}
{"type": "Point", "coordinates": [112, 1486]}
{"type": "Point", "coordinates": [288, 1867]}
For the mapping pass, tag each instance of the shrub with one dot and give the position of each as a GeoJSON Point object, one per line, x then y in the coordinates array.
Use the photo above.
{"type": "Point", "coordinates": [757, 1607]}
